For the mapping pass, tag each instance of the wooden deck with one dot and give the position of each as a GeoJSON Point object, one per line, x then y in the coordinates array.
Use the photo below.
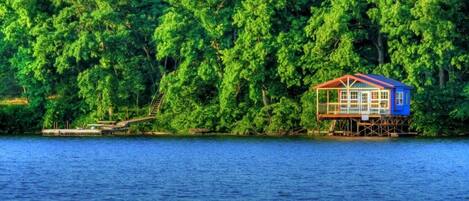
{"type": "Point", "coordinates": [346, 116]}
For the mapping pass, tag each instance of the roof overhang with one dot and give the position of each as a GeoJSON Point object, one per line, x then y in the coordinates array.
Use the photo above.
{"type": "Point", "coordinates": [375, 80]}
{"type": "Point", "coordinates": [334, 82]}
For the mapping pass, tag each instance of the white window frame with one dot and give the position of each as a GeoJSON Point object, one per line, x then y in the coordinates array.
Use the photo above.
{"type": "Point", "coordinates": [354, 93]}
{"type": "Point", "coordinates": [353, 97]}
{"type": "Point", "coordinates": [399, 98]}
{"type": "Point", "coordinates": [384, 95]}
{"type": "Point", "coordinates": [342, 97]}
{"type": "Point", "coordinates": [375, 93]}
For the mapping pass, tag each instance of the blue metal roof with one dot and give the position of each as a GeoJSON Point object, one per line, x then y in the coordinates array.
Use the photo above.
{"type": "Point", "coordinates": [382, 81]}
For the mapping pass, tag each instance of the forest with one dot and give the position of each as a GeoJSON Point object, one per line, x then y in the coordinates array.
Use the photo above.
{"type": "Point", "coordinates": [240, 66]}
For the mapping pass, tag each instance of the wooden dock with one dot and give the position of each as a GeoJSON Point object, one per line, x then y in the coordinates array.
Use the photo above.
{"type": "Point", "coordinates": [72, 132]}
{"type": "Point", "coordinates": [99, 129]}
{"type": "Point", "coordinates": [108, 127]}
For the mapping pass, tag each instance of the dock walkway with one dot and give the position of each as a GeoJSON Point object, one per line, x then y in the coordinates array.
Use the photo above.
{"type": "Point", "coordinates": [72, 132]}
{"type": "Point", "coordinates": [97, 129]}
{"type": "Point", "coordinates": [109, 127]}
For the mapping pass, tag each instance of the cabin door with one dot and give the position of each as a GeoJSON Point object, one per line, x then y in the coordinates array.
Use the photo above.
{"type": "Point", "coordinates": [365, 102]}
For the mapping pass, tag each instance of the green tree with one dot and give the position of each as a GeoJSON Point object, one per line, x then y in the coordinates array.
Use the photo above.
{"type": "Point", "coordinates": [427, 40]}
{"type": "Point", "coordinates": [244, 66]}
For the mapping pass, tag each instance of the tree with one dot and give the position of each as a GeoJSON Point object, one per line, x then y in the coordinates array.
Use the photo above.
{"type": "Point", "coordinates": [426, 40]}
{"type": "Point", "coordinates": [244, 66]}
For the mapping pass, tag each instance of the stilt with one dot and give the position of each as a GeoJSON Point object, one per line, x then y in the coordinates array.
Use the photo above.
{"type": "Point", "coordinates": [384, 126]}
{"type": "Point", "coordinates": [332, 127]}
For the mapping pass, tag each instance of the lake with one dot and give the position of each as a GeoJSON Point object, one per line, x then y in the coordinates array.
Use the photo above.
{"type": "Point", "coordinates": [232, 168]}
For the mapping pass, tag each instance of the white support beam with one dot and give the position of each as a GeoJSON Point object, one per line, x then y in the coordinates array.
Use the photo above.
{"type": "Point", "coordinates": [327, 103]}
{"type": "Point", "coordinates": [345, 85]}
{"type": "Point", "coordinates": [379, 101]}
{"type": "Point", "coordinates": [348, 95]}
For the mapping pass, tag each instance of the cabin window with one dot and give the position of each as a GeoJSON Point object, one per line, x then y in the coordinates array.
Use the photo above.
{"type": "Point", "coordinates": [353, 99]}
{"type": "Point", "coordinates": [343, 95]}
{"type": "Point", "coordinates": [374, 95]}
{"type": "Point", "coordinates": [399, 98]}
{"type": "Point", "coordinates": [384, 95]}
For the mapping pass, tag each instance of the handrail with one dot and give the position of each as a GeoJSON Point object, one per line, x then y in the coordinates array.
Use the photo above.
{"type": "Point", "coordinates": [353, 108]}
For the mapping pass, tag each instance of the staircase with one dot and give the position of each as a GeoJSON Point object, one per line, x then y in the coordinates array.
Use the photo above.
{"type": "Point", "coordinates": [124, 124]}
{"type": "Point", "coordinates": [155, 105]}
{"type": "Point", "coordinates": [153, 110]}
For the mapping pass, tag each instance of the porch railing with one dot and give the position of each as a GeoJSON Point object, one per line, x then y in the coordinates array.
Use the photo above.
{"type": "Point", "coordinates": [352, 108]}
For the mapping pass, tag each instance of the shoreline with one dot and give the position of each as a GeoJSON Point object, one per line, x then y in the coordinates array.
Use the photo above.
{"type": "Point", "coordinates": [218, 134]}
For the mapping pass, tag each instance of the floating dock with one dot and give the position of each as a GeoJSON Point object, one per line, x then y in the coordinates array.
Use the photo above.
{"type": "Point", "coordinates": [72, 132]}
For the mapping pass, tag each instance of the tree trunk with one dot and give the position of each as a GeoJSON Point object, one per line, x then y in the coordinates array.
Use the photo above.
{"type": "Point", "coordinates": [380, 48]}
{"type": "Point", "coordinates": [110, 111]}
{"type": "Point", "coordinates": [266, 101]}
{"type": "Point", "coordinates": [441, 76]}
{"type": "Point", "coordinates": [137, 104]}
{"type": "Point", "coordinates": [265, 98]}
{"type": "Point", "coordinates": [147, 52]}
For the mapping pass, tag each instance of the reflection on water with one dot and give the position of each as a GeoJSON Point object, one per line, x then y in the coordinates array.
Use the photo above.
{"type": "Point", "coordinates": [230, 168]}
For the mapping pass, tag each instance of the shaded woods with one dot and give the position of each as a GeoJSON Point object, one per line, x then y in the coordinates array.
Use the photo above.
{"type": "Point", "coordinates": [242, 66]}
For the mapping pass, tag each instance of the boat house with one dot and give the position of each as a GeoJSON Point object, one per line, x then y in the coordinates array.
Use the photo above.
{"type": "Point", "coordinates": [360, 94]}
{"type": "Point", "coordinates": [363, 99]}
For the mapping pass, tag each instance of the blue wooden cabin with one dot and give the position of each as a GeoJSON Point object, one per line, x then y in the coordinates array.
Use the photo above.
{"type": "Point", "coordinates": [357, 95]}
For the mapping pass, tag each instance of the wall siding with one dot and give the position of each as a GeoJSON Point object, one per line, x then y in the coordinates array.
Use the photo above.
{"type": "Point", "coordinates": [403, 109]}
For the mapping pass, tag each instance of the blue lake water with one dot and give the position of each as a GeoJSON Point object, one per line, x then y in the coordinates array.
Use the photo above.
{"type": "Point", "coordinates": [232, 168]}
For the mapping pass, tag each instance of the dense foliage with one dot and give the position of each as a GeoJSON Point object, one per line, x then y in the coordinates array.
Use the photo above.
{"type": "Point", "coordinates": [18, 119]}
{"type": "Point", "coordinates": [243, 66]}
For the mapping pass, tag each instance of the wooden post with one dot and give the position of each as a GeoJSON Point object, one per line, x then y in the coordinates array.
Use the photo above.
{"type": "Point", "coordinates": [327, 103]}
{"type": "Point", "coordinates": [339, 100]}
{"type": "Point", "coordinates": [389, 100]}
{"type": "Point", "coordinates": [350, 127]}
{"type": "Point", "coordinates": [358, 127]}
{"type": "Point", "coordinates": [348, 95]}
{"type": "Point", "coordinates": [379, 101]}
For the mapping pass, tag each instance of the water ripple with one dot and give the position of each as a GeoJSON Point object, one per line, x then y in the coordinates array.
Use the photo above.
{"type": "Point", "coordinates": [34, 168]}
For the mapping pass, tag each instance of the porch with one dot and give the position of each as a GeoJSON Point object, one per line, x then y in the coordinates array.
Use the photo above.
{"type": "Point", "coordinates": [360, 105]}
{"type": "Point", "coordinates": [352, 102]}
